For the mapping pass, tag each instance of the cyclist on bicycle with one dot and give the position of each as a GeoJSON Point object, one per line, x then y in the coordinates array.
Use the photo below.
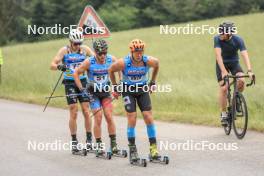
{"type": "Point", "coordinates": [226, 46]}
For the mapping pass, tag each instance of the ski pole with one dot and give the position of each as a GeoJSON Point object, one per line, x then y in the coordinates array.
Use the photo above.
{"type": "Point", "coordinates": [53, 92]}
{"type": "Point", "coordinates": [101, 108]}
{"type": "Point", "coordinates": [62, 96]}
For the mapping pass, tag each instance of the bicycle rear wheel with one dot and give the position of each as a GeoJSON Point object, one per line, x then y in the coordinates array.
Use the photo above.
{"type": "Point", "coordinates": [239, 115]}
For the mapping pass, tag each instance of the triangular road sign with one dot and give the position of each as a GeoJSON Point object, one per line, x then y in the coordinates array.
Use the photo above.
{"type": "Point", "coordinates": [92, 24]}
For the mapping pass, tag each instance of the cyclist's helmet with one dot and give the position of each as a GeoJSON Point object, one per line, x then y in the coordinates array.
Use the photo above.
{"type": "Point", "coordinates": [137, 45]}
{"type": "Point", "coordinates": [100, 45]}
{"type": "Point", "coordinates": [227, 27]}
{"type": "Point", "coordinates": [76, 36]}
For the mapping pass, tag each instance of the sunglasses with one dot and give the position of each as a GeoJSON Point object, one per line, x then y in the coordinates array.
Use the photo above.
{"type": "Point", "coordinates": [102, 53]}
{"type": "Point", "coordinates": [139, 50]}
{"type": "Point", "coordinates": [76, 44]}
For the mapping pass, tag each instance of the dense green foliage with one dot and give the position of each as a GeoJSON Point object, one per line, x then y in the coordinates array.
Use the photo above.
{"type": "Point", "coordinates": [15, 15]}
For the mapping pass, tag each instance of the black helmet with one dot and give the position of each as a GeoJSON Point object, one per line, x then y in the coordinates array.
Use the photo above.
{"type": "Point", "coordinates": [227, 27]}
{"type": "Point", "coordinates": [100, 45]}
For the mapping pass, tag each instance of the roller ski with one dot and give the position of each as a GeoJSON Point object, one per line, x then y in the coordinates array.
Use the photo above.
{"type": "Point", "coordinates": [100, 153]}
{"type": "Point", "coordinates": [117, 152]}
{"type": "Point", "coordinates": [154, 156]}
{"type": "Point", "coordinates": [76, 150]}
{"type": "Point", "coordinates": [134, 159]}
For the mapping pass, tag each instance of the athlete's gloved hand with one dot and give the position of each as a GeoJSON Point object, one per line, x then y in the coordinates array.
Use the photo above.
{"type": "Point", "coordinates": [61, 67]}
{"type": "Point", "coordinates": [116, 93]}
{"type": "Point", "coordinates": [152, 86]}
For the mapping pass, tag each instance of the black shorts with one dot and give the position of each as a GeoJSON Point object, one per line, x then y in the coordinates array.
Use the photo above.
{"type": "Point", "coordinates": [97, 99]}
{"type": "Point", "coordinates": [132, 98]}
{"type": "Point", "coordinates": [71, 88]}
{"type": "Point", "coordinates": [232, 67]}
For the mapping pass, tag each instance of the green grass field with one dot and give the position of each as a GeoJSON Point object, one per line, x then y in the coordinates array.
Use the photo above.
{"type": "Point", "coordinates": [187, 62]}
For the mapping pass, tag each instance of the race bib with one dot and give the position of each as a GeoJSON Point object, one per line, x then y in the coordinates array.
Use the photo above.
{"type": "Point", "coordinates": [100, 79]}
{"type": "Point", "coordinates": [135, 78]}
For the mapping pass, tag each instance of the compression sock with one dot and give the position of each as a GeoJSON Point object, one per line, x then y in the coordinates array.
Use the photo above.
{"type": "Point", "coordinates": [131, 135]}
{"type": "Point", "coordinates": [151, 130]}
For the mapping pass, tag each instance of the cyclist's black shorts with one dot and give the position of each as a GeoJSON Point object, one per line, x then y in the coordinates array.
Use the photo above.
{"type": "Point", "coordinates": [71, 88]}
{"type": "Point", "coordinates": [232, 67]}
{"type": "Point", "coordinates": [132, 98]}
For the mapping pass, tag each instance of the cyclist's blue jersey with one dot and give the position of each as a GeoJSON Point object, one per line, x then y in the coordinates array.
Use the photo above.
{"type": "Point", "coordinates": [230, 48]}
{"type": "Point", "coordinates": [98, 73]}
{"type": "Point", "coordinates": [73, 60]}
{"type": "Point", "coordinates": [135, 75]}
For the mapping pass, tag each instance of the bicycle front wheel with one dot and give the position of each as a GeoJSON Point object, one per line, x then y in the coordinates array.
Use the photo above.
{"type": "Point", "coordinates": [239, 115]}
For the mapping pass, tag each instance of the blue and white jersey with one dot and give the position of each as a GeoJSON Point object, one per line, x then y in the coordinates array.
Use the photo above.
{"type": "Point", "coordinates": [73, 60]}
{"type": "Point", "coordinates": [98, 73]}
{"type": "Point", "coordinates": [133, 75]}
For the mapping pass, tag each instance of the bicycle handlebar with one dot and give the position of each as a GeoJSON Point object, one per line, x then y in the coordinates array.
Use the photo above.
{"type": "Point", "coordinates": [253, 80]}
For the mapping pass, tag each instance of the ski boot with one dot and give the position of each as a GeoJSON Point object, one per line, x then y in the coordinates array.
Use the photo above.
{"type": "Point", "coordinates": [117, 152]}
{"type": "Point", "coordinates": [133, 157]}
{"type": "Point", "coordinates": [155, 157]}
{"type": "Point", "coordinates": [89, 146]}
{"type": "Point", "coordinates": [76, 150]}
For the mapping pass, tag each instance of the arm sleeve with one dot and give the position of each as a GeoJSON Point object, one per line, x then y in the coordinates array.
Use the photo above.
{"type": "Point", "coordinates": [216, 42]}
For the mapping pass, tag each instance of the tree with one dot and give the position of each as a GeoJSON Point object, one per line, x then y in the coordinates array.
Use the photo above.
{"type": "Point", "coordinates": [118, 16]}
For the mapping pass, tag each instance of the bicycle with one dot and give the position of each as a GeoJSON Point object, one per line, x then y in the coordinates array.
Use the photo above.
{"type": "Point", "coordinates": [237, 107]}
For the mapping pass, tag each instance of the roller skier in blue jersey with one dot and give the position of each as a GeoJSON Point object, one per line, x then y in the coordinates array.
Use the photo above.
{"type": "Point", "coordinates": [66, 60]}
{"type": "Point", "coordinates": [135, 68]}
{"type": "Point", "coordinates": [97, 70]}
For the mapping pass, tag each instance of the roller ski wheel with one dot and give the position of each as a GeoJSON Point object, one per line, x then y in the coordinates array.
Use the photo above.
{"type": "Point", "coordinates": [139, 162]}
{"type": "Point", "coordinates": [159, 159]}
{"type": "Point", "coordinates": [103, 154]}
{"type": "Point", "coordinates": [82, 152]}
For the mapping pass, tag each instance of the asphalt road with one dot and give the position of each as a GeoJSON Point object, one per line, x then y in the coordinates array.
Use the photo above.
{"type": "Point", "coordinates": [22, 123]}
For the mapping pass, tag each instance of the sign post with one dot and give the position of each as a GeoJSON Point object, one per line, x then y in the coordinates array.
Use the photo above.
{"type": "Point", "coordinates": [92, 25]}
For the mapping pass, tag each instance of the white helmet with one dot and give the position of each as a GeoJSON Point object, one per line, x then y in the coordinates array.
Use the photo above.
{"type": "Point", "coordinates": [76, 36]}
